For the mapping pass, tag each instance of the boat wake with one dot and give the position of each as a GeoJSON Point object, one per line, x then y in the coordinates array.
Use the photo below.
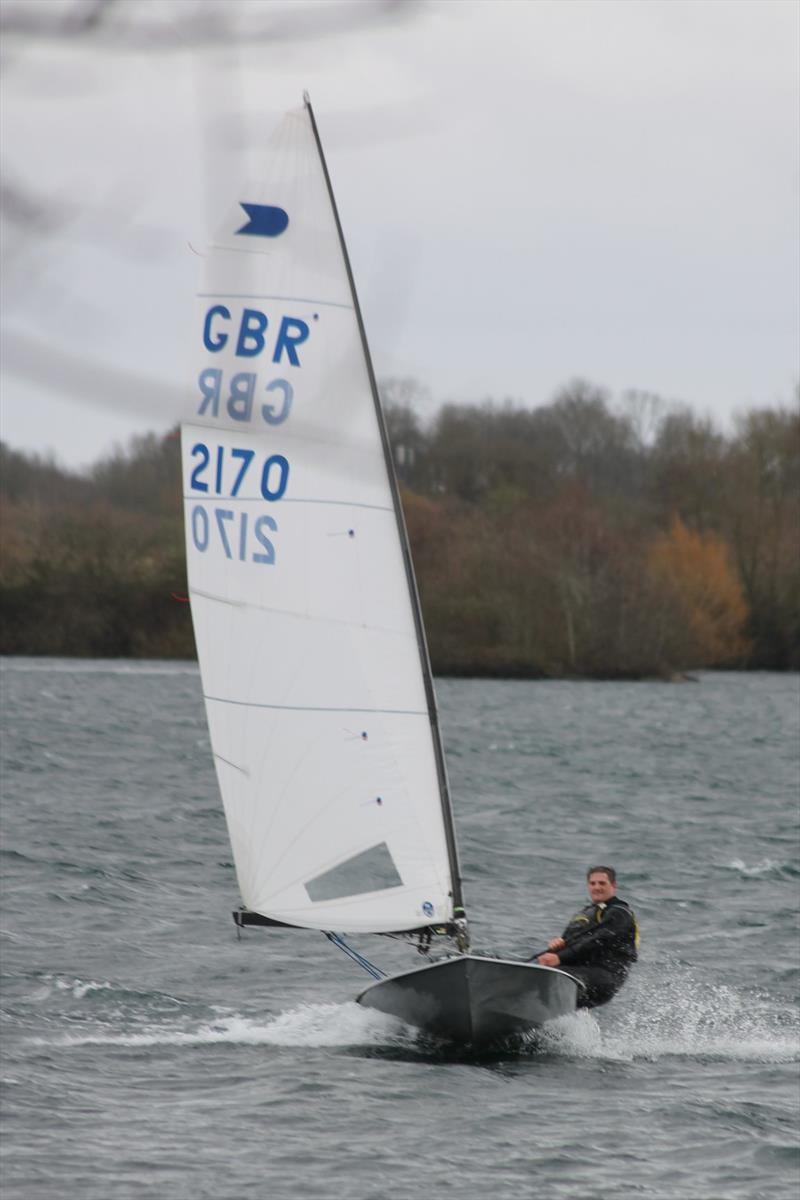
{"type": "Point", "coordinates": [308, 1025]}
{"type": "Point", "coordinates": [684, 1020]}
{"type": "Point", "coordinates": [648, 1024]}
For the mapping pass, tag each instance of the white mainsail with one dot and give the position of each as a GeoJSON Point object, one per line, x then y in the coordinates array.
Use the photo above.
{"type": "Point", "coordinates": [311, 654]}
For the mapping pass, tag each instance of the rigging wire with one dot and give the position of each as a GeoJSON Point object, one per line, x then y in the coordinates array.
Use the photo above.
{"type": "Point", "coordinates": [339, 941]}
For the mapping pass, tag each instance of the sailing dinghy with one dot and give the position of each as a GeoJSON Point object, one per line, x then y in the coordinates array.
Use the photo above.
{"type": "Point", "coordinates": [315, 671]}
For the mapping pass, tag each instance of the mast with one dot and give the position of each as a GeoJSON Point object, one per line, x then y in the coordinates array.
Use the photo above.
{"type": "Point", "coordinates": [422, 645]}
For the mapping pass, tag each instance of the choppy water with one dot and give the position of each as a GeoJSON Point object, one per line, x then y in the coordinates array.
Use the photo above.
{"type": "Point", "coordinates": [147, 1053]}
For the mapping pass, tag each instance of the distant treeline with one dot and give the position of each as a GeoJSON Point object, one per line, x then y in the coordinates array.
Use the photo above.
{"type": "Point", "coordinates": [577, 539]}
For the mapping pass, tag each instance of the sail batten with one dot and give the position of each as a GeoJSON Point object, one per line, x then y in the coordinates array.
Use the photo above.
{"type": "Point", "coordinates": [234, 766]}
{"type": "Point", "coordinates": [315, 672]}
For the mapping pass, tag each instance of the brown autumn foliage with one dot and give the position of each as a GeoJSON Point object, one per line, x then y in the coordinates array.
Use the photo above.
{"type": "Point", "coordinates": [693, 575]}
{"type": "Point", "coordinates": [574, 539]}
{"type": "Point", "coordinates": [82, 576]}
{"type": "Point", "coordinates": [760, 520]}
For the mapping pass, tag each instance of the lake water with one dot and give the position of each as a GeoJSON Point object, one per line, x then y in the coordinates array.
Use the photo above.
{"type": "Point", "coordinates": [148, 1053]}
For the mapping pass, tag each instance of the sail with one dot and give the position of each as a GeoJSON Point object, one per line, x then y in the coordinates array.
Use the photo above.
{"type": "Point", "coordinates": [314, 669]}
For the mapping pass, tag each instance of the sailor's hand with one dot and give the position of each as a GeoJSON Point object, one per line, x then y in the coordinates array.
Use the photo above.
{"type": "Point", "coordinates": [548, 960]}
{"type": "Point", "coordinates": [556, 944]}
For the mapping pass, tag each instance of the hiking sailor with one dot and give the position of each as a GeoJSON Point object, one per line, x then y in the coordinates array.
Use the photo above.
{"type": "Point", "coordinates": [599, 944]}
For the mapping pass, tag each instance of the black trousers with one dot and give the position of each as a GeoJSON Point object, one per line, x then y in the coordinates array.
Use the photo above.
{"type": "Point", "coordinates": [600, 984]}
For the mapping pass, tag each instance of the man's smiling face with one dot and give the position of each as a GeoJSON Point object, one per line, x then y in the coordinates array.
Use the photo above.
{"type": "Point", "coordinates": [601, 889]}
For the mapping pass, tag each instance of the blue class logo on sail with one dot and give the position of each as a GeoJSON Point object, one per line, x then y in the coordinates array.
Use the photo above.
{"type": "Point", "coordinates": [236, 331]}
{"type": "Point", "coordinates": [264, 220]}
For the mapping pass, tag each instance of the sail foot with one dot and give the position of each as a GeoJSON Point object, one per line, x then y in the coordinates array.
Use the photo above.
{"type": "Point", "coordinates": [244, 917]}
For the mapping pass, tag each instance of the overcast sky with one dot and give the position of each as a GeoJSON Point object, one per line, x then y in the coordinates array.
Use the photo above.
{"type": "Point", "coordinates": [531, 192]}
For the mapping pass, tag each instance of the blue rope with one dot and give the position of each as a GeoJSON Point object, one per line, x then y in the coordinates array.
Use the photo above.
{"type": "Point", "coordinates": [339, 941]}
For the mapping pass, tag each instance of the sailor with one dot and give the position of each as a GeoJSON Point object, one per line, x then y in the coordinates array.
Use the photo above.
{"type": "Point", "coordinates": [600, 943]}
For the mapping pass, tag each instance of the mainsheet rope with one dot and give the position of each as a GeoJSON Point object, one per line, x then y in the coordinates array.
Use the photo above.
{"type": "Point", "coordinates": [339, 941]}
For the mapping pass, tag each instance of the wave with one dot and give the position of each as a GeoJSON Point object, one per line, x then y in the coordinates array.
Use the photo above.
{"type": "Point", "coordinates": [95, 995]}
{"type": "Point", "coordinates": [767, 866]}
{"type": "Point", "coordinates": [78, 989]}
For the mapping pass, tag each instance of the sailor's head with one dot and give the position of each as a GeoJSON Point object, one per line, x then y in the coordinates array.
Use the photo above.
{"type": "Point", "coordinates": [602, 884]}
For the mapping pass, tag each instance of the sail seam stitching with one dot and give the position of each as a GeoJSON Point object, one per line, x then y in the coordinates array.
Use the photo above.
{"type": "Point", "coordinates": [284, 499]}
{"type": "Point", "coordinates": [282, 299]}
{"type": "Point", "coordinates": [395, 712]}
{"type": "Point", "coordinates": [297, 616]}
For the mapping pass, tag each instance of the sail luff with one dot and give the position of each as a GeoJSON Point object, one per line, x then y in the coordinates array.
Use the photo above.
{"type": "Point", "coordinates": [422, 644]}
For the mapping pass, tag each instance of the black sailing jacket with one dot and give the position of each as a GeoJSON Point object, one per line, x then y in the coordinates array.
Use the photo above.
{"type": "Point", "coordinates": [606, 935]}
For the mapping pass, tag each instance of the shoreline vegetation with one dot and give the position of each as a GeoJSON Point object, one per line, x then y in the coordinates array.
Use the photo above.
{"type": "Point", "coordinates": [582, 539]}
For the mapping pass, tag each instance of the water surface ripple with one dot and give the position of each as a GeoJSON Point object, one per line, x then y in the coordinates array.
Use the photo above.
{"type": "Point", "coordinates": [148, 1053]}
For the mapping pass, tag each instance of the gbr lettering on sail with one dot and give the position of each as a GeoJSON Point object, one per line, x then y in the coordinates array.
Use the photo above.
{"type": "Point", "coordinates": [240, 394]}
{"type": "Point", "coordinates": [243, 384]}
